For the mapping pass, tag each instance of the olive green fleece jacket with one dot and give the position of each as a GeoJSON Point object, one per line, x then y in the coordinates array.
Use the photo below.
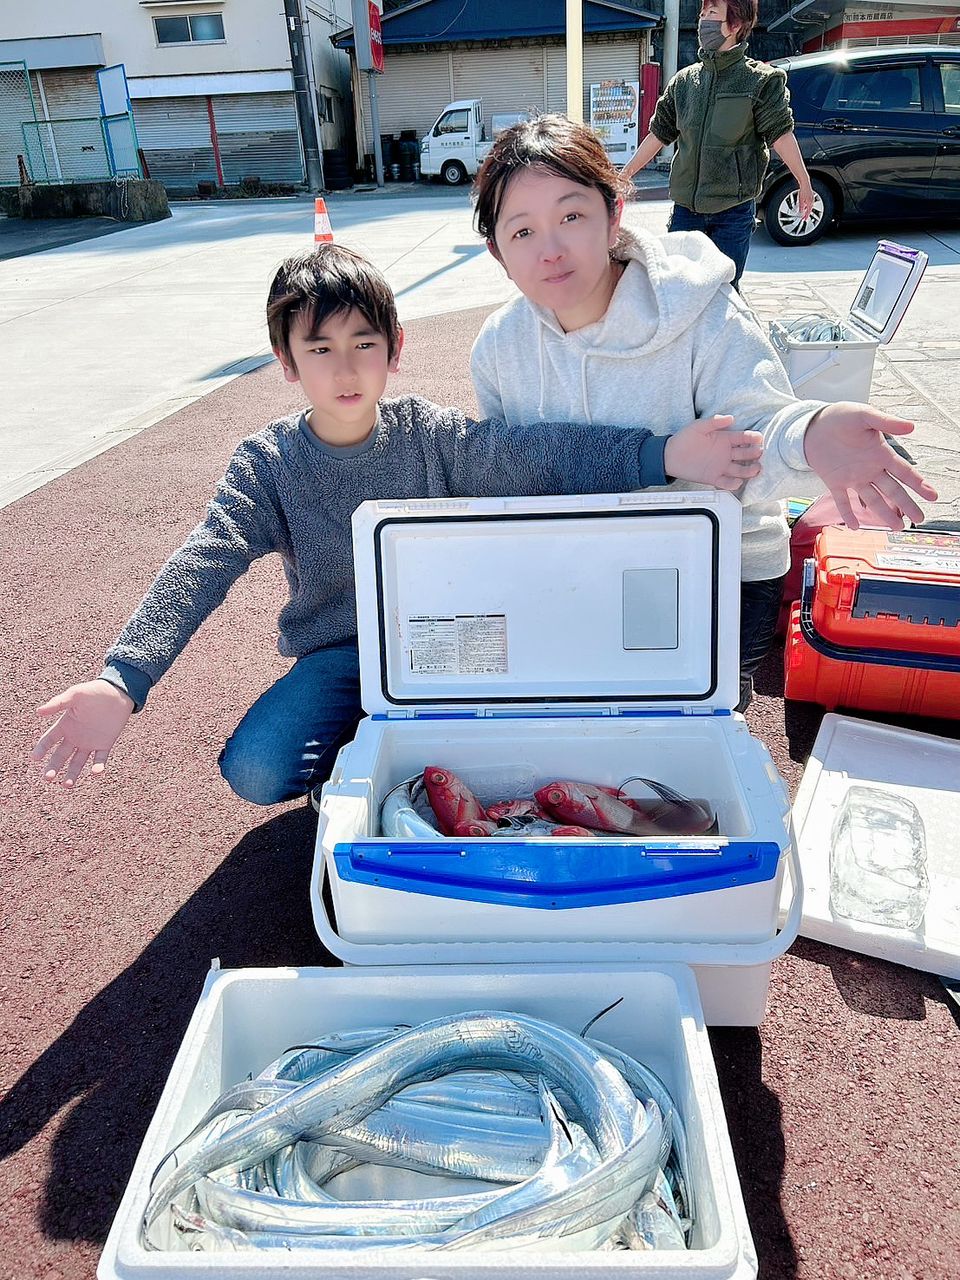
{"type": "Point", "coordinates": [723, 112]}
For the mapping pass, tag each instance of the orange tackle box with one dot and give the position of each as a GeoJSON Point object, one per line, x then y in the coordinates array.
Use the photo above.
{"type": "Point", "coordinates": [877, 626]}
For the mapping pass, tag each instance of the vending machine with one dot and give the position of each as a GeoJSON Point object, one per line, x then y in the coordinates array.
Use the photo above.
{"type": "Point", "coordinates": [615, 117]}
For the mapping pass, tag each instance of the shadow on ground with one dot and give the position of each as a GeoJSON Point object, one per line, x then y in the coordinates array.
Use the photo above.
{"type": "Point", "coordinates": [109, 1066]}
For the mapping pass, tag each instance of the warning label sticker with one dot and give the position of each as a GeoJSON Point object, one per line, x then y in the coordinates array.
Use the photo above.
{"type": "Point", "coordinates": [462, 645]}
{"type": "Point", "coordinates": [921, 549]}
{"type": "Point", "coordinates": [920, 558]}
{"type": "Point", "coordinates": [917, 539]}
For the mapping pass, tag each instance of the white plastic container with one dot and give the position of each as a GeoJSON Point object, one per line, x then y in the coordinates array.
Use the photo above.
{"type": "Point", "coordinates": [537, 639]}
{"type": "Point", "coordinates": [919, 767]}
{"type": "Point", "coordinates": [843, 369]}
{"type": "Point", "coordinates": [247, 1017]}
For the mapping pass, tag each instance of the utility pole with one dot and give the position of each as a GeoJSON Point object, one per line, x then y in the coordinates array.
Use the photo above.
{"type": "Point", "coordinates": [368, 66]}
{"type": "Point", "coordinates": [575, 60]}
{"type": "Point", "coordinates": [671, 44]}
{"type": "Point", "coordinates": [306, 111]}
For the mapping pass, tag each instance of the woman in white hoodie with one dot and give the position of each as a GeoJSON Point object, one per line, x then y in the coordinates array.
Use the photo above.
{"type": "Point", "coordinates": [637, 329]}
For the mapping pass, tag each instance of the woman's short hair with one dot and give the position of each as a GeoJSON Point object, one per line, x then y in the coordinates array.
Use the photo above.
{"type": "Point", "coordinates": [742, 14]}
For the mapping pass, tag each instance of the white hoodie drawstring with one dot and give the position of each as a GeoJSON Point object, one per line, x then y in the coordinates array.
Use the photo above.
{"type": "Point", "coordinates": [583, 388]}
{"type": "Point", "coordinates": [541, 369]}
{"type": "Point", "coordinates": [540, 365]}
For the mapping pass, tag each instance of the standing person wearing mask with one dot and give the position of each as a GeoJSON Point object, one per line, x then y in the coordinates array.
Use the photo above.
{"type": "Point", "coordinates": [724, 113]}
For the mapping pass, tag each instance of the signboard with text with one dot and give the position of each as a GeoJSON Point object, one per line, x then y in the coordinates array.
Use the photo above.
{"type": "Point", "coordinates": [376, 38]}
{"type": "Point", "coordinates": [367, 35]}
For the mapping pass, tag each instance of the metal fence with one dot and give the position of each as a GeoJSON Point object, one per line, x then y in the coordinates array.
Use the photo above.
{"type": "Point", "coordinates": [88, 149]}
{"type": "Point", "coordinates": [16, 106]}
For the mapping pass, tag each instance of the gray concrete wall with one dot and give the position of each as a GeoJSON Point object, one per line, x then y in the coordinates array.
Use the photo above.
{"type": "Point", "coordinates": [131, 201]}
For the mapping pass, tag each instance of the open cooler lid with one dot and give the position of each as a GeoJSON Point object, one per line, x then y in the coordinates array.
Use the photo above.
{"type": "Point", "coordinates": [602, 604]}
{"type": "Point", "coordinates": [887, 289]}
{"type": "Point", "coordinates": [919, 767]}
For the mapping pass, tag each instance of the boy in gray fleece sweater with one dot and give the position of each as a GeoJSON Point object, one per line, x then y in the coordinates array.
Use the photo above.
{"type": "Point", "coordinates": [292, 489]}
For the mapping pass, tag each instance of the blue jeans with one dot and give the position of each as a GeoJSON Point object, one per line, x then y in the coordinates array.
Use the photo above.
{"type": "Point", "coordinates": [759, 612]}
{"type": "Point", "coordinates": [287, 742]}
{"type": "Point", "coordinates": [730, 230]}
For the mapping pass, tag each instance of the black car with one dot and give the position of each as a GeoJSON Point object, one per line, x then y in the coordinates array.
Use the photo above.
{"type": "Point", "coordinates": [879, 131]}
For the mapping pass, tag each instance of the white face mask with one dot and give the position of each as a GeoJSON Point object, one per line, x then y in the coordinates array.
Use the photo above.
{"type": "Point", "coordinates": [710, 34]}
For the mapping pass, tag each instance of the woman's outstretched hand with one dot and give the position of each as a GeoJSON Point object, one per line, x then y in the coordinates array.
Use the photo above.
{"type": "Point", "coordinates": [869, 482]}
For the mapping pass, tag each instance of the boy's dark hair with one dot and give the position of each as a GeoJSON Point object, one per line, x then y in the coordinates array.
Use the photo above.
{"type": "Point", "coordinates": [551, 143]}
{"type": "Point", "coordinates": [742, 14]}
{"type": "Point", "coordinates": [325, 281]}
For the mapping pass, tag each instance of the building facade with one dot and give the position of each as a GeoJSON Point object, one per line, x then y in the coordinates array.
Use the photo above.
{"type": "Point", "coordinates": [209, 81]}
{"type": "Point", "coordinates": [511, 55]}
{"type": "Point", "coordinates": [828, 24]}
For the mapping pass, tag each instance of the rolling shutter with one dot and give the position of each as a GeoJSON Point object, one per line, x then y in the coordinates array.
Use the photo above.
{"type": "Point", "coordinates": [174, 137]}
{"type": "Point", "coordinates": [508, 80]}
{"type": "Point", "coordinates": [413, 90]}
{"type": "Point", "coordinates": [258, 137]}
{"type": "Point", "coordinates": [607, 60]}
{"type": "Point", "coordinates": [70, 94]}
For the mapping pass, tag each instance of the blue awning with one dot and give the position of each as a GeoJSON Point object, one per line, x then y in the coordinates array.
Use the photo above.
{"type": "Point", "coordinates": [443, 21]}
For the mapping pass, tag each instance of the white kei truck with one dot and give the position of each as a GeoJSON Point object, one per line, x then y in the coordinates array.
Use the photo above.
{"type": "Point", "coordinates": [454, 148]}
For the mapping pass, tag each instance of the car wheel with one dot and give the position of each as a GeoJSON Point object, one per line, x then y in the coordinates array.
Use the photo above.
{"type": "Point", "coordinates": [453, 173]}
{"type": "Point", "coordinates": [782, 214]}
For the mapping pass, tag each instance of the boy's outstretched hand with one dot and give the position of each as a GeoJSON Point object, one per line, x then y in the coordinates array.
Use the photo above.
{"type": "Point", "coordinates": [91, 717]}
{"type": "Point", "coordinates": [867, 479]}
{"type": "Point", "coordinates": [708, 452]}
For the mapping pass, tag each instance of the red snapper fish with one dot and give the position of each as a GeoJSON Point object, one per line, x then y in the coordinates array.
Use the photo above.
{"type": "Point", "coordinates": [522, 807]}
{"type": "Point", "coordinates": [605, 810]}
{"type": "Point", "coordinates": [451, 799]}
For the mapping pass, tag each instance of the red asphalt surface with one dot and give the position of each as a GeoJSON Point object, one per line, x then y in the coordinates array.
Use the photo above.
{"type": "Point", "coordinates": [842, 1106]}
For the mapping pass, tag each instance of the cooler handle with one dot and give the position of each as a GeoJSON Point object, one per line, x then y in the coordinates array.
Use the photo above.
{"type": "Point", "coordinates": [799, 380]}
{"type": "Point", "coordinates": [690, 953]}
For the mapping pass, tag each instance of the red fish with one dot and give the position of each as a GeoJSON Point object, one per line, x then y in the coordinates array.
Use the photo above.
{"type": "Point", "coordinates": [675, 814]}
{"type": "Point", "coordinates": [451, 799]}
{"type": "Point", "coordinates": [523, 807]}
{"type": "Point", "coordinates": [603, 810]}
{"type": "Point", "coordinates": [474, 830]}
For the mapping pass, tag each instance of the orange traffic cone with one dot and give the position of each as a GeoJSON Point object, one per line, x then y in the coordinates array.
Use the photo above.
{"type": "Point", "coordinates": [322, 231]}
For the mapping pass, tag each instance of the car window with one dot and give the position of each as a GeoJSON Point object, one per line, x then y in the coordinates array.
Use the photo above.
{"type": "Point", "coordinates": [811, 86]}
{"type": "Point", "coordinates": [875, 89]}
{"type": "Point", "coordinates": [453, 122]}
{"type": "Point", "coordinates": [950, 76]}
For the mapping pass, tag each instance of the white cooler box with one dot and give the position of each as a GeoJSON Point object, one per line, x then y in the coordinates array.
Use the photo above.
{"type": "Point", "coordinates": [247, 1017]}
{"type": "Point", "coordinates": [519, 641]}
{"type": "Point", "coordinates": [841, 368]}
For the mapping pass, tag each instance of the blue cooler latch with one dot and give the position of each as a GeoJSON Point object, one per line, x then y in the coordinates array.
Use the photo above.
{"type": "Point", "coordinates": [557, 875]}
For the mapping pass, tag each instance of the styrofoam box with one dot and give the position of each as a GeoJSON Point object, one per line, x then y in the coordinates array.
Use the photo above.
{"type": "Point", "coordinates": [246, 1017]}
{"type": "Point", "coordinates": [920, 767]}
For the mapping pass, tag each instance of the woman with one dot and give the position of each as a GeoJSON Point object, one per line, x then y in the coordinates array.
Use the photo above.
{"type": "Point", "coordinates": [638, 329]}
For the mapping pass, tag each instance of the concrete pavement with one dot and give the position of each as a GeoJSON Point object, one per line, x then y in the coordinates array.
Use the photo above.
{"type": "Point", "coordinates": [102, 338]}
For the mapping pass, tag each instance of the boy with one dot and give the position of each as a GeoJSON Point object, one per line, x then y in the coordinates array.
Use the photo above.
{"type": "Point", "coordinates": [292, 488]}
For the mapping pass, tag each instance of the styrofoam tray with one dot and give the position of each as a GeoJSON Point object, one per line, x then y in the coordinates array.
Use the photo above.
{"type": "Point", "coordinates": [246, 1017]}
{"type": "Point", "coordinates": [919, 766]}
